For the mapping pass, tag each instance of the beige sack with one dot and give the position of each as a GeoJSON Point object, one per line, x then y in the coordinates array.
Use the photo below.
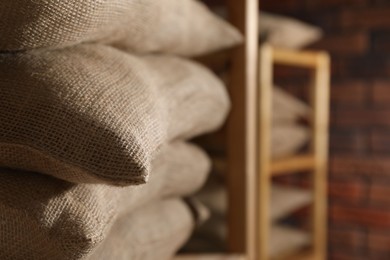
{"type": "Point", "coordinates": [153, 232]}
{"type": "Point", "coordinates": [285, 32]}
{"type": "Point", "coordinates": [184, 27]}
{"type": "Point", "coordinates": [287, 139]}
{"type": "Point", "coordinates": [286, 108]}
{"type": "Point", "coordinates": [93, 114]}
{"type": "Point", "coordinates": [45, 218]}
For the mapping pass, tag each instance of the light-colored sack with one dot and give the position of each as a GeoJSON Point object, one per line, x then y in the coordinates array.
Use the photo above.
{"type": "Point", "coordinates": [283, 200]}
{"type": "Point", "coordinates": [286, 108]}
{"type": "Point", "coordinates": [153, 232]}
{"type": "Point", "coordinates": [184, 27]}
{"type": "Point", "coordinates": [287, 139]}
{"type": "Point", "coordinates": [45, 218]}
{"type": "Point", "coordinates": [212, 236]}
{"type": "Point", "coordinates": [285, 32]}
{"type": "Point", "coordinates": [93, 114]}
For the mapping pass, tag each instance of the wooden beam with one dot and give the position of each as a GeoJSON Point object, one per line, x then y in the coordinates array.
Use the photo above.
{"type": "Point", "coordinates": [293, 164]}
{"type": "Point", "coordinates": [320, 102]}
{"type": "Point", "coordinates": [306, 59]}
{"type": "Point", "coordinates": [264, 145]}
{"type": "Point", "coordinates": [241, 136]}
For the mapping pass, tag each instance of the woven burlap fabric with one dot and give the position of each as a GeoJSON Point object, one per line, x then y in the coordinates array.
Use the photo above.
{"type": "Point", "coordinates": [153, 232]}
{"type": "Point", "coordinates": [46, 218]}
{"type": "Point", "coordinates": [287, 108]}
{"type": "Point", "coordinates": [284, 32]}
{"type": "Point", "coordinates": [287, 139]}
{"type": "Point", "coordinates": [184, 27]}
{"type": "Point", "coordinates": [93, 114]}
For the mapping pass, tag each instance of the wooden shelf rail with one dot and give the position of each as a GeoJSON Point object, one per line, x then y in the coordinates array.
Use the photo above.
{"type": "Point", "coordinates": [293, 164]}
{"type": "Point", "coordinates": [315, 161]}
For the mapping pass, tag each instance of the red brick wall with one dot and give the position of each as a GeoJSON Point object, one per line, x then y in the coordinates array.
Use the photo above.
{"type": "Point", "coordinates": [357, 35]}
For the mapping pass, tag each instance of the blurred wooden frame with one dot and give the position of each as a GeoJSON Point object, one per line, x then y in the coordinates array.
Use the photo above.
{"type": "Point", "coordinates": [249, 164]}
{"type": "Point", "coordinates": [315, 161]}
{"type": "Point", "coordinates": [241, 137]}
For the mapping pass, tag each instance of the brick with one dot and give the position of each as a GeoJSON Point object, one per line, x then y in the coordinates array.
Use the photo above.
{"type": "Point", "coordinates": [379, 241]}
{"type": "Point", "coordinates": [380, 194]}
{"type": "Point", "coordinates": [370, 66]}
{"type": "Point", "coordinates": [379, 2]}
{"type": "Point", "coordinates": [370, 166]}
{"type": "Point", "coordinates": [321, 4]}
{"type": "Point", "coordinates": [378, 255]}
{"type": "Point", "coordinates": [348, 239]}
{"type": "Point", "coordinates": [360, 216]}
{"type": "Point", "coordinates": [342, 255]}
{"type": "Point", "coordinates": [346, 43]}
{"type": "Point", "coordinates": [381, 41]}
{"type": "Point", "coordinates": [339, 67]}
{"type": "Point", "coordinates": [323, 18]}
{"type": "Point", "coordinates": [347, 92]}
{"type": "Point", "coordinates": [366, 18]}
{"type": "Point", "coordinates": [351, 190]}
{"type": "Point", "coordinates": [380, 141]}
{"type": "Point", "coordinates": [362, 117]}
{"type": "Point", "coordinates": [381, 93]}
{"type": "Point", "coordinates": [283, 6]}
{"type": "Point", "coordinates": [348, 141]}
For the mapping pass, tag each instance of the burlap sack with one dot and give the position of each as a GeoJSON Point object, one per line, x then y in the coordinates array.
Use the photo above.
{"type": "Point", "coordinates": [287, 108]}
{"type": "Point", "coordinates": [93, 114]}
{"type": "Point", "coordinates": [287, 139]}
{"type": "Point", "coordinates": [284, 240]}
{"type": "Point", "coordinates": [45, 218]}
{"type": "Point", "coordinates": [155, 232]}
{"type": "Point", "coordinates": [284, 32]}
{"type": "Point", "coordinates": [284, 199]}
{"type": "Point", "coordinates": [212, 236]}
{"type": "Point", "coordinates": [184, 27]}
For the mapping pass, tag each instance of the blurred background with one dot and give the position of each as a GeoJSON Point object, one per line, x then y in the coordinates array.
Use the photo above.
{"type": "Point", "coordinates": [356, 33]}
{"type": "Point", "coordinates": [357, 36]}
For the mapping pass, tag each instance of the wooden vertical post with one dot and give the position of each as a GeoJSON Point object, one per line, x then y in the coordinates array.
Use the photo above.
{"type": "Point", "coordinates": [264, 144]}
{"type": "Point", "coordinates": [241, 136]}
{"type": "Point", "coordinates": [316, 160]}
{"type": "Point", "coordinates": [320, 103]}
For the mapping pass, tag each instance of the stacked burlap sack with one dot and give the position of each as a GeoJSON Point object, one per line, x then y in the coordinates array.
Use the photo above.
{"type": "Point", "coordinates": [95, 109]}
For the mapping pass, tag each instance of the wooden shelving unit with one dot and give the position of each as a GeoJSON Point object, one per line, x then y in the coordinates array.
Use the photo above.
{"type": "Point", "coordinates": [315, 161]}
{"type": "Point", "coordinates": [250, 168]}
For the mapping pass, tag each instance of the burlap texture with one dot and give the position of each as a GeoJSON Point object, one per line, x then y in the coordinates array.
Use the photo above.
{"type": "Point", "coordinates": [184, 27]}
{"type": "Point", "coordinates": [287, 108]}
{"type": "Point", "coordinates": [284, 32]}
{"type": "Point", "coordinates": [46, 218]}
{"type": "Point", "coordinates": [154, 232]}
{"type": "Point", "coordinates": [287, 139]}
{"type": "Point", "coordinates": [93, 114]}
